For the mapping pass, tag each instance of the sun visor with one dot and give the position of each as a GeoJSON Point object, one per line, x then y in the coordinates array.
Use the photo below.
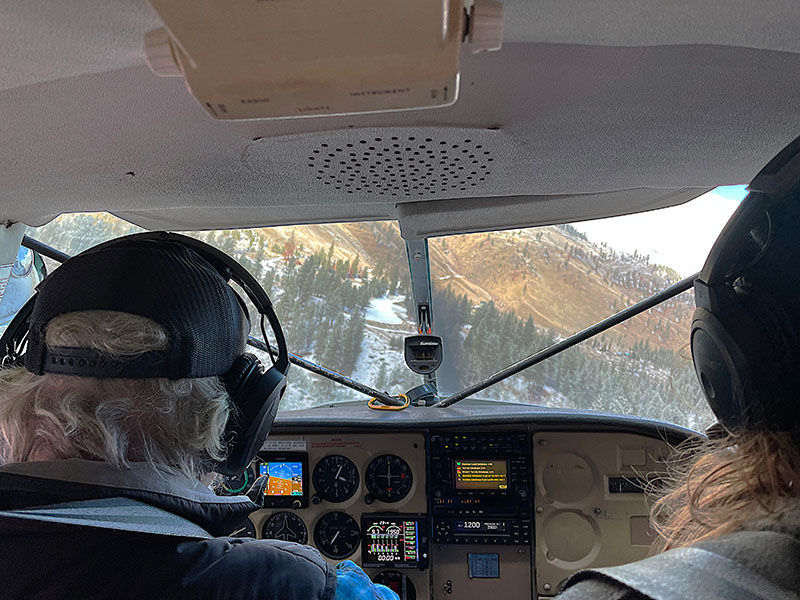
{"type": "Point", "coordinates": [445, 217]}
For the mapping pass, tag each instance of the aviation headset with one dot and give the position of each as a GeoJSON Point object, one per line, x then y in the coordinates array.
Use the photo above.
{"type": "Point", "coordinates": [745, 343]}
{"type": "Point", "coordinates": [178, 282]}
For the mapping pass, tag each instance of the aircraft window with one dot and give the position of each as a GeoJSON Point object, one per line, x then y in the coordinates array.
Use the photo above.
{"type": "Point", "coordinates": [27, 271]}
{"type": "Point", "coordinates": [501, 296]}
{"type": "Point", "coordinates": [342, 293]}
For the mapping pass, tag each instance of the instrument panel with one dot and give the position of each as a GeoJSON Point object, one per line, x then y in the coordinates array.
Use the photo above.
{"type": "Point", "coordinates": [364, 500]}
{"type": "Point", "coordinates": [460, 514]}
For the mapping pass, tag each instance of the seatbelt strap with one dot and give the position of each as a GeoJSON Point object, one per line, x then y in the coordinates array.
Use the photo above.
{"type": "Point", "coordinates": [123, 514]}
{"type": "Point", "coordinates": [692, 573]}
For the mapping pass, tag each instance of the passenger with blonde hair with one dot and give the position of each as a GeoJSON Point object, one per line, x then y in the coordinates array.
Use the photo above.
{"type": "Point", "coordinates": [728, 516]}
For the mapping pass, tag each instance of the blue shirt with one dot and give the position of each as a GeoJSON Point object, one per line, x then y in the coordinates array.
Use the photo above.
{"type": "Point", "coordinates": [353, 584]}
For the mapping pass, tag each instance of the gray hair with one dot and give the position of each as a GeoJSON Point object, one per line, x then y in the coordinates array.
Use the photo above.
{"type": "Point", "coordinates": [173, 425]}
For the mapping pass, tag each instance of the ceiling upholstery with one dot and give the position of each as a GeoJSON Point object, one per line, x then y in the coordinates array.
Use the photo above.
{"type": "Point", "coordinates": [589, 110]}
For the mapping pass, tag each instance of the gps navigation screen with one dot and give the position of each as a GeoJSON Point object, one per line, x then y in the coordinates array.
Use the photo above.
{"type": "Point", "coordinates": [391, 541]}
{"type": "Point", "coordinates": [285, 478]}
{"type": "Point", "coordinates": [476, 474]}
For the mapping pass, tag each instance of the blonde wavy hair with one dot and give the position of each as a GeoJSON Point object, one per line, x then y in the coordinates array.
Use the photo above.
{"type": "Point", "coordinates": [173, 425]}
{"type": "Point", "coordinates": [743, 481]}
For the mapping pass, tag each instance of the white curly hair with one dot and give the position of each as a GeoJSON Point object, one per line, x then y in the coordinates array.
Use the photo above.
{"type": "Point", "coordinates": [173, 425]}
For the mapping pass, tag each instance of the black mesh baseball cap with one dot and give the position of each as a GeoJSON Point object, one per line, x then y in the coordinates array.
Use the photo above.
{"type": "Point", "coordinates": [160, 279]}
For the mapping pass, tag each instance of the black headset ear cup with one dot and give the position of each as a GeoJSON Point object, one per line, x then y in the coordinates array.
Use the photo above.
{"type": "Point", "coordinates": [742, 364]}
{"type": "Point", "coordinates": [255, 394]}
{"type": "Point", "coordinates": [720, 366]}
{"type": "Point", "coordinates": [237, 377]}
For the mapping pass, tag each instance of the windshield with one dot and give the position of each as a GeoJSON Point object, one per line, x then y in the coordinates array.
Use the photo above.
{"type": "Point", "coordinates": [343, 294]}
{"type": "Point", "coordinates": [501, 296]}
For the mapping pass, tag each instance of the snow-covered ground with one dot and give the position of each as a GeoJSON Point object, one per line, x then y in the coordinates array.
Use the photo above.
{"type": "Point", "coordinates": [374, 353]}
{"type": "Point", "coordinates": [386, 319]}
{"type": "Point", "coordinates": [386, 309]}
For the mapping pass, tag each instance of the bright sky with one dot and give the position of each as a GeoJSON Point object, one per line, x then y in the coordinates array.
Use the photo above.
{"type": "Point", "coordinates": [680, 237]}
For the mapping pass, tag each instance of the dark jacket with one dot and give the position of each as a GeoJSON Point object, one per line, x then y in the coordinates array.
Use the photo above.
{"type": "Point", "coordinates": [51, 560]}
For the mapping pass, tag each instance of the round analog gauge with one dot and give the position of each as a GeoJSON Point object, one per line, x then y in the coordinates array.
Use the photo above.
{"type": "Point", "coordinates": [398, 582]}
{"type": "Point", "coordinates": [337, 535]}
{"type": "Point", "coordinates": [335, 478]}
{"type": "Point", "coordinates": [285, 526]}
{"type": "Point", "coordinates": [246, 529]}
{"type": "Point", "coordinates": [389, 478]}
{"type": "Point", "coordinates": [238, 485]}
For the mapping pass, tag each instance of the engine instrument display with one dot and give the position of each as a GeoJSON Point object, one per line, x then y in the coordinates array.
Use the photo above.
{"type": "Point", "coordinates": [337, 535]}
{"type": "Point", "coordinates": [285, 526]}
{"type": "Point", "coordinates": [479, 474]}
{"type": "Point", "coordinates": [389, 478]}
{"type": "Point", "coordinates": [335, 478]}
{"type": "Point", "coordinates": [393, 540]}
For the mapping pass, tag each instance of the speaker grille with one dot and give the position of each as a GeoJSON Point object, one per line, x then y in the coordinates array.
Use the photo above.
{"type": "Point", "coordinates": [402, 165]}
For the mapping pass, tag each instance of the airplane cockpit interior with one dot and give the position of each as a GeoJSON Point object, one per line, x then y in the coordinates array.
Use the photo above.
{"type": "Point", "coordinates": [478, 221]}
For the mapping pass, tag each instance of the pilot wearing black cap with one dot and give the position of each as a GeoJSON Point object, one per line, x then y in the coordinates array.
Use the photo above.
{"type": "Point", "coordinates": [730, 518]}
{"type": "Point", "coordinates": [126, 384]}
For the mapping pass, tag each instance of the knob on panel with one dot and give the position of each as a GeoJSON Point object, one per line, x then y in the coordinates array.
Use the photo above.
{"type": "Point", "coordinates": [442, 529]}
{"type": "Point", "coordinates": [486, 25]}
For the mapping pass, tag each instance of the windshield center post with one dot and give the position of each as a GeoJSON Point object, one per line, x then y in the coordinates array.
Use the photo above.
{"type": "Point", "coordinates": [420, 270]}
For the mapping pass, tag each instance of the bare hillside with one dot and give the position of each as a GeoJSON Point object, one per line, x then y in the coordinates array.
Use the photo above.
{"type": "Point", "coordinates": [553, 274]}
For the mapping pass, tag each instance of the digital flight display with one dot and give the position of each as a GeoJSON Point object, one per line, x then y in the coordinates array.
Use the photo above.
{"type": "Point", "coordinates": [479, 474]}
{"type": "Point", "coordinates": [482, 527]}
{"type": "Point", "coordinates": [285, 478]}
{"type": "Point", "coordinates": [392, 540]}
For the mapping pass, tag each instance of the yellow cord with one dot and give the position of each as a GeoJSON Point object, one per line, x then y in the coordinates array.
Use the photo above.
{"type": "Point", "coordinates": [373, 404]}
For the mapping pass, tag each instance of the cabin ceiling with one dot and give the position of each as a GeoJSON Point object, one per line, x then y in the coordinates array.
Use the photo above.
{"type": "Point", "coordinates": [590, 109]}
